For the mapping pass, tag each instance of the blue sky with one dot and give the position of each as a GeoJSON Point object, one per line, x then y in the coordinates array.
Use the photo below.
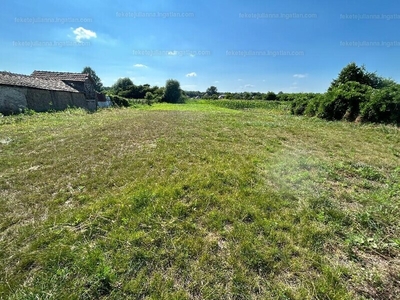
{"type": "Point", "coordinates": [286, 45]}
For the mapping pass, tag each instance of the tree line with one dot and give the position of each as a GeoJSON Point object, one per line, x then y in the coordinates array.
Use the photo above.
{"type": "Point", "coordinates": [355, 95]}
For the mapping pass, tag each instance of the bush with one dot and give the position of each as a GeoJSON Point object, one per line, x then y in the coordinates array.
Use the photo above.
{"type": "Point", "coordinates": [343, 102]}
{"type": "Point", "coordinates": [355, 93]}
{"type": "Point", "coordinates": [305, 103]}
{"type": "Point", "coordinates": [312, 105]}
{"type": "Point", "coordinates": [384, 106]}
{"type": "Point", "coordinates": [299, 105]}
{"type": "Point", "coordinates": [149, 98]}
{"type": "Point", "coordinates": [270, 96]}
{"type": "Point", "coordinates": [119, 101]}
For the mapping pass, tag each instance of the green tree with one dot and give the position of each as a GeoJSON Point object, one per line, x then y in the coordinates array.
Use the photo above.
{"type": "Point", "coordinates": [270, 96]}
{"type": "Point", "coordinates": [122, 84]}
{"type": "Point", "coordinates": [352, 72]}
{"type": "Point", "coordinates": [212, 90]}
{"type": "Point", "coordinates": [98, 85]}
{"type": "Point", "coordinates": [149, 98]}
{"type": "Point", "coordinates": [173, 92]}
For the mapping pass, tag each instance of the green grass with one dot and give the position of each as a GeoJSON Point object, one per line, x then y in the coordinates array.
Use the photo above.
{"type": "Point", "coordinates": [197, 201]}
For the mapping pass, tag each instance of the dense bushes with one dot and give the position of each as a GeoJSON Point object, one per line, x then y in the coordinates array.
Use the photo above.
{"type": "Point", "coordinates": [343, 102]}
{"type": "Point", "coordinates": [119, 101]}
{"type": "Point", "coordinates": [383, 106]}
{"type": "Point", "coordinates": [354, 94]}
{"type": "Point", "coordinates": [301, 103]}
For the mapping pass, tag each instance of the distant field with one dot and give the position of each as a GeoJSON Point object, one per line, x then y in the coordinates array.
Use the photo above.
{"type": "Point", "coordinates": [204, 200]}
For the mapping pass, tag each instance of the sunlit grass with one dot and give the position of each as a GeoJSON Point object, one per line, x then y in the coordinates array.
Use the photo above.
{"type": "Point", "coordinates": [197, 201]}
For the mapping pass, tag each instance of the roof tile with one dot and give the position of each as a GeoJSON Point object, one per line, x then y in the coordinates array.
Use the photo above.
{"type": "Point", "coordinates": [61, 75]}
{"type": "Point", "coordinates": [7, 78]}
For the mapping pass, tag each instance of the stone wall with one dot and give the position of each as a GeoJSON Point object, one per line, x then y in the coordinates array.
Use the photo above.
{"type": "Point", "coordinates": [78, 100]}
{"type": "Point", "coordinates": [39, 100]}
{"type": "Point", "coordinates": [89, 90]}
{"type": "Point", "coordinates": [16, 99]}
{"type": "Point", "coordinates": [91, 105]}
{"type": "Point", "coordinates": [12, 99]}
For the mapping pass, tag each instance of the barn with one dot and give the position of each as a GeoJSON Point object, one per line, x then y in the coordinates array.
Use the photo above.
{"type": "Point", "coordinates": [45, 91]}
{"type": "Point", "coordinates": [79, 81]}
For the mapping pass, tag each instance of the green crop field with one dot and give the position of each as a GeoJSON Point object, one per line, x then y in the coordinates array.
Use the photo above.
{"type": "Point", "coordinates": [204, 200]}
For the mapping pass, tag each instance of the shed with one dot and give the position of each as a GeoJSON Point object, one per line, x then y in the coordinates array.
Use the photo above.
{"type": "Point", "coordinates": [82, 82]}
{"type": "Point", "coordinates": [19, 92]}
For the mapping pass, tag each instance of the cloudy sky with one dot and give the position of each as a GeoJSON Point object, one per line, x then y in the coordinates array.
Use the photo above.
{"type": "Point", "coordinates": [285, 45]}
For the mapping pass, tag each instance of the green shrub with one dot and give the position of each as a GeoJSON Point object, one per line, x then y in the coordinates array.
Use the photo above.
{"type": "Point", "coordinates": [312, 105]}
{"type": "Point", "coordinates": [149, 98]}
{"type": "Point", "coordinates": [270, 96]}
{"type": "Point", "coordinates": [298, 106]}
{"type": "Point", "coordinates": [305, 103]}
{"type": "Point", "coordinates": [384, 106]}
{"type": "Point", "coordinates": [343, 101]}
{"type": "Point", "coordinates": [119, 101]}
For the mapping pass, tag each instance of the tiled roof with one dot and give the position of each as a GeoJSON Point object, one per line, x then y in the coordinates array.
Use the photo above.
{"type": "Point", "coordinates": [12, 79]}
{"type": "Point", "coordinates": [61, 75]}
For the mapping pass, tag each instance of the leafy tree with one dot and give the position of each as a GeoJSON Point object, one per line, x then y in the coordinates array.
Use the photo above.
{"type": "Point", "coordinates": [247, 95]}
{"type": "Point", "coordinates": [352, 72]}
{"type": "Point", "coordinates": [159, 94]}
{"type": "Point", "coordinates": [229, 96]}
{"type": "Point", "coordinates": [270, 96]}
{"type": "Point", "coordinates": [193, 94]}
{"type": "Point", "coordinates": [212, 90]}
{"type": "Point", "coordinates": [98, 85]}
{"type": "Point", "coordinates": [149, 98]}
{"type": "Point", "coordinates": [173, 92]}
{"type": "Point", "coordinates": [122, 84]}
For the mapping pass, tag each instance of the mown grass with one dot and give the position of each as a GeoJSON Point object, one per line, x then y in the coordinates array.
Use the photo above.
{"type": "Point", "coordinates": [197, 201]}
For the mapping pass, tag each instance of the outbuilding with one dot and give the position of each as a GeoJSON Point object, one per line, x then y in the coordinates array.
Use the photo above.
{"type": "Point", "coordinates": [20, 92]}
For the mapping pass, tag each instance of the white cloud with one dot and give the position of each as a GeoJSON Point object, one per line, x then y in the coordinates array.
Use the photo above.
{"type": "Point", "coordinates": [83, 34]}
{"type": "Point", "coordinates": [140, 66]}
{"type": "Point", "coordinates": [192, 55]}
{"type": "Point", "coordinates": [249, 86]}
{"type": "Point", "coordinates": [193, 74]}
{"type": "Point", "coordinates": [216, 81]}
{"type": "Point", "coordinates": [172, 53]}
{"type": "Point", "coordinates": [300, 75]}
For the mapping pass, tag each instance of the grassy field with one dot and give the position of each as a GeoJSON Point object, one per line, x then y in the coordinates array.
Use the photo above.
{"type": "Point", "coordinates": [198, 201]}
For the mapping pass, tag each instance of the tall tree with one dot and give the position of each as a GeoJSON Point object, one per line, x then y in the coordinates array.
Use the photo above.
{"type": "Point", "coordinates": [212, 90]}
{"type": "Point", "coordinates": [98, 85]}
{"type": "Point", "coordinates": [122, 84]}
{"type": "Point", "coordinates": [173, 92]}
{"type": "Point", "coordinates": [352, 72]}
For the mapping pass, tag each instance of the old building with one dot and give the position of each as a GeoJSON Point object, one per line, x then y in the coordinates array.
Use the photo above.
{"type": "Point", "coordinates": [44, 91]}
{"type": "Point", "coordinates": [21, 92]}
{"type": "Point", "coordinates": [81, 82]}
